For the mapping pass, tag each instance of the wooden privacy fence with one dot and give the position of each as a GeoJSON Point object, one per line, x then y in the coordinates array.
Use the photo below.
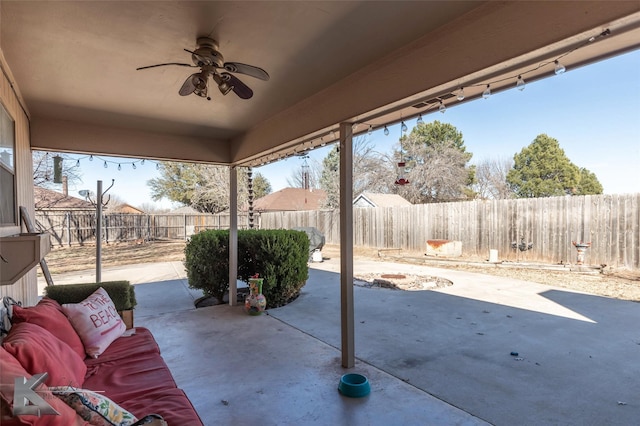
{"type": "Point", "coordinates": [78, 227]}
{"type": "Point", "coordinates": [611, 223]}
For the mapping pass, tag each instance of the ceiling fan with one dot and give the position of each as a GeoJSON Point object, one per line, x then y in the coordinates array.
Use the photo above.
{"type": "Point", "coordinates": [208, 58]}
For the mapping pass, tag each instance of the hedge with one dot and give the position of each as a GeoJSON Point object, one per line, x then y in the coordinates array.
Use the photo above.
{"type": "Point", "coordinates": [121, 293]}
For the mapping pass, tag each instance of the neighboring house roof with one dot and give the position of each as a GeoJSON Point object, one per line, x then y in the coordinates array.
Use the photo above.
{"type": "Point", "coordinates": [290, 199]}
{"type": "Point", "coordinates": [371, 199]}
{"type": "Point", "coordinates": [126, 208]}
{"type": "Point", "coordinates": [46, 199]}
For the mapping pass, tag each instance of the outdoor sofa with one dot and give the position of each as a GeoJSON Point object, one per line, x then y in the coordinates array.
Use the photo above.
{"type": "Point", "coordinates": [129, 372]}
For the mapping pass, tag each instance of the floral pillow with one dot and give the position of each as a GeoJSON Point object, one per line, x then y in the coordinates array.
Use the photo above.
{"type": "Point", "coordinates": [96, 321]}
{"type": "Point", "coordinates": [93, 407]}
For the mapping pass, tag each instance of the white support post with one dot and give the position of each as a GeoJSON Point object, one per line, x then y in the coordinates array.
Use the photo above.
{"type": "Point", "coordinates": [233, 236]}
{"type": "Point", "coordinates": [346, 245]}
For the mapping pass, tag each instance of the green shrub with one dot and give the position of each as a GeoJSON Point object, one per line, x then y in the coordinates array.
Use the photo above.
{"type": "Point", "coordinates": [279, 256]}
{"type": "Point", "coordinates": [121, 293]}
{"type": "Point", "coordinates": [207, 262]}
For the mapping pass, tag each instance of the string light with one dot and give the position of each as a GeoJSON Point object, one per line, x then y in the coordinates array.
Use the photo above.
{"type": "Point", "coordinates": [157, 166]}
{"type": "Point", "coordinates": [487, 92]}
{"type": "Point", "coordinates": [119, 167]}
{"type": "Point", "coordinates": [105, 165]}
{"type": "Point", "coordinates": [419, 120]}
{"type": "Point", "coordinates": [91, 158]}
{"type": "Point", "coordinates": [370, 129]}
{"type": "Point", "coordinates": [559, 68]}
{"type": "Point", "coordinates": [442, 108]}
{"type": "Point", "coordinates": [134, 166]}
{"type": "Point", "coordinates": [386, 131]}
{"type": "Point", "coordinates": [78, 163]}
{"type": "Point", "coordinates": [142, 162]}
{"type": "Point", "coordinates": [403, 127]}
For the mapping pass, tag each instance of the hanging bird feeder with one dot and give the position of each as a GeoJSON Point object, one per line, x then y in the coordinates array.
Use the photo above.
{"type": "Point", "coordinates": [402, 166]}
{"type": "Point", "coordinates": [402, 180]}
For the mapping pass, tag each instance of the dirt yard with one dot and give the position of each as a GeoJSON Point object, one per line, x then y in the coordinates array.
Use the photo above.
{"type": "Point", "coordinates": [617, 283]}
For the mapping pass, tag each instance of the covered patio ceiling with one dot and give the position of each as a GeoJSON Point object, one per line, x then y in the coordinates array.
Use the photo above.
{"type": "Point", "coordinates": [360, 62]}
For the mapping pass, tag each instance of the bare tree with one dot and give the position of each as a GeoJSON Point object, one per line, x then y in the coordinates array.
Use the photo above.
{"type": "Point", "coordinates": [43, 169]}
{"type": "Point", "coordinates": [437, 164]}
{"type": "Point", "coordinates": [491, 178]}
{"type": "Point", "coordinates": [204, 187]}
{"type": "Point", "coordinates": [370, 172]}
{"type": "Point", "coordinates": [313, 170]}
{"type": "Point", "coordinates": [152, 208]}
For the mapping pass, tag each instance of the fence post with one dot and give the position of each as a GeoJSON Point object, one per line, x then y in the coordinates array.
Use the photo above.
{"type": "Point", "coordinates": [184, 225]}
{"type": "Point", "coordinates": [67, 216]}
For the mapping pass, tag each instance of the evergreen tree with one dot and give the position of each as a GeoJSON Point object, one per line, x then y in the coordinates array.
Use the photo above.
{"type": "Point", "coordinates": [589, 183]}
{"type": "Point", "coordinates": [543, 170]}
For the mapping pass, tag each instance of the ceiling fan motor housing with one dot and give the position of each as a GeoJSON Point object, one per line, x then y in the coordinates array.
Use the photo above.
{"type": "Point", "coordinates": [207, 53]}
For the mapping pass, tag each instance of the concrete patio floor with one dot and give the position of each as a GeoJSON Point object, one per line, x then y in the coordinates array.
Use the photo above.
{"type": "Point", "coordinates": [439, 357]}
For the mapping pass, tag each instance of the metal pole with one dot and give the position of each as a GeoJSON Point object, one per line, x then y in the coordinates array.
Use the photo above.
{"type": "Point", "coordinates": [99, 232]}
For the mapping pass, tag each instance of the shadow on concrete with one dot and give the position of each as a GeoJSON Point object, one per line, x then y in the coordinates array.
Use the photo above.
{"type": "Point", "coordinates": [577, 367]}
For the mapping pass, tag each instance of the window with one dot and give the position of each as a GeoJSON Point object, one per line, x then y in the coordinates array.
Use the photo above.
{"type": "Point", "coordinates": [7, 170]}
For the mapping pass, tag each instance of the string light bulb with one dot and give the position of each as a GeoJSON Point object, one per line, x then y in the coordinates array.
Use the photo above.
{"type": "Point", "coordinates": [78, 163]}
{"type": "Point", "coordinates": [560, 69]}
{"type": "Point", "coordinates": [487, 92]}
{"type": "Point", "coordinates": [91, 158]}
{"type": "Point", "coordinates": [403, 127]}
{"type": "Point", "coordinates": [442, 108]}
{"type": "Point", "coordinates": [386, 131]}
{"type": "Point", "coordinates": [420, 120]}
{"type": "Point", "coordinates": [520, 84]}
{"type": "Point", "coordinates": [142, 162]}
{"type": "Point", "coordinates": [134, 166]}
{"type": "Point", "coordinates": [157, 166]}
{"type": "Point", "coordinates": [119, 167]}
{"type": "Point", "coordinates": [460, 96]}
{"type": "Point", "coordinates": [370, 129]}
{"type": "Point", "coordinates": [105, 165]}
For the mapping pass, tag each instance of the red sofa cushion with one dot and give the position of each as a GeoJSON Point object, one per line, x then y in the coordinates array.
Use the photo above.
{"type": "Point", "coordinates": [48, 315]}
{"type": "Point", "coordinates": [11, 369]}
{"type": "Point", "coordinates": [122, 380]}
{"type": "Point", "coordinates": [172, 404]}
{"type": "Point", "coordinates": [139, 343]}
{"type": "Point", "coordinates": [39, 351]}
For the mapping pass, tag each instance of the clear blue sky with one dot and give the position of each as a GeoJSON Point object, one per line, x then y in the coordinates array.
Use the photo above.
{"type": "Point", "coordinates": [594, 113]}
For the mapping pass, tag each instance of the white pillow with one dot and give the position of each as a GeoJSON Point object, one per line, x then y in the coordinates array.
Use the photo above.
{"type": "Point", "coordinates": [96, 321]}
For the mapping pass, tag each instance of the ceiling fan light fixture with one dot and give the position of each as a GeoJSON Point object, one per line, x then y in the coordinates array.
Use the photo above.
{"type": "Point", "coordinates": [223, 85]}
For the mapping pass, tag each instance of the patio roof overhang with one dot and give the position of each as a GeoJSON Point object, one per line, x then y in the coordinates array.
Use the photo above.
{"type": "Point", "coordinates": [365, 63]}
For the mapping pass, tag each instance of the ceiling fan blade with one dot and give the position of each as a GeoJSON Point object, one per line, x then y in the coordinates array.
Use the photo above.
{"type": "Point", "coordinates": [188, 87]}
{"type": "Point", "coordinates": [249, 70]}
{"type": "Point", "coordinates": [162, 65]}
{"type": "Point", "coordinates": [239, 88]}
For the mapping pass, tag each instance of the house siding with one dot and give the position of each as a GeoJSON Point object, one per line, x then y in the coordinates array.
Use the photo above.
{"type": "Point", "coordinates": [25, 289]}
